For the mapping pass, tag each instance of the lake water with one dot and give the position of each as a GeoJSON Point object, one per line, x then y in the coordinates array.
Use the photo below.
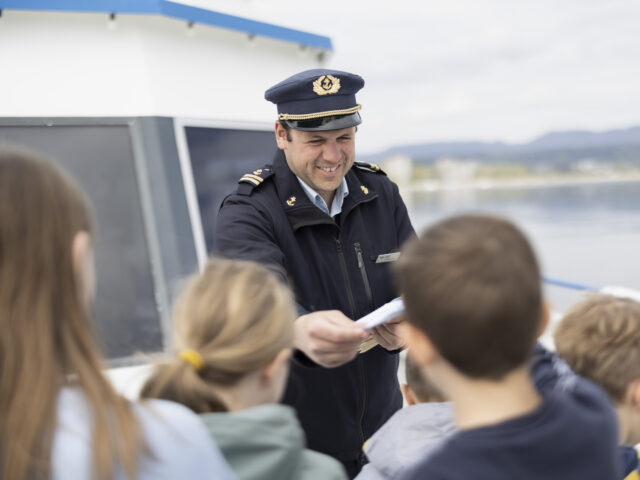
{"type": "Point", "coordinates": [583, 233]}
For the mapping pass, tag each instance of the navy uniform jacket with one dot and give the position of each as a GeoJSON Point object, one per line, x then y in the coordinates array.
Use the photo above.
{"type": "Point", "coordinates": [330, 265]}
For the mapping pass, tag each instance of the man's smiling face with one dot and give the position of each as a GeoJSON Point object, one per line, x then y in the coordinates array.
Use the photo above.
{"type": "Point", "coordinates": [320, 159]}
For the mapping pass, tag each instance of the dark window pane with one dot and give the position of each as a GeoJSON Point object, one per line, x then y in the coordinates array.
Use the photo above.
{"type": "Point", "coordinates": [219, 157]}
{"type": "Point", "coordinates": [100, 157]}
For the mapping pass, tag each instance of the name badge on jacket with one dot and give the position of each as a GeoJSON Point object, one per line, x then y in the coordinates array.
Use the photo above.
{"type": "Point", "coordinates": [388, 257]}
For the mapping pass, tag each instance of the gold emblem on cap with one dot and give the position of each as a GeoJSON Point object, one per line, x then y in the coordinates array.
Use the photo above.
{"type": "Point", "coordinates": [326, 84]}
{"type": "Point", "coordinates": [365, 190]}
{"type": "Point", "coordinates": [291, 202]}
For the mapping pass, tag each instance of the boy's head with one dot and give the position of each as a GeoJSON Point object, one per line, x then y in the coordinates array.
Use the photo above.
{"type": "Point", "coordinates": [600, 339]}
{"type": "Point", "coordinates": [471, 285]}
{"type": "Point", "coordinates": [418, 388]}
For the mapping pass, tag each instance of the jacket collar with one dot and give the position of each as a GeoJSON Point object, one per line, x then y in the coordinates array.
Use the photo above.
{"type": "Point", "coordinates": [300, 210]}
{"type": "Point", "coordinates": [360, 191]}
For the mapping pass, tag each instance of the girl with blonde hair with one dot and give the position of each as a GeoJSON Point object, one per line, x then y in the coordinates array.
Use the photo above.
{"type": "Point", "coordinates": [233, 329]}
{"type": "Point", "coordinates": [59, 416]}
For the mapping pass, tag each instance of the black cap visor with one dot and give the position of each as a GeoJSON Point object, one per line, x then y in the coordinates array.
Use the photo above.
{"type": "Point", "coordinates": [337, 122]}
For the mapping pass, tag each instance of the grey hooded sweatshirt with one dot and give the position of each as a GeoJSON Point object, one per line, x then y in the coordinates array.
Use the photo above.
{"type": "Point", "coordinates": [267, 442]}
{"type": "Point", "coordinates": [408, 436]}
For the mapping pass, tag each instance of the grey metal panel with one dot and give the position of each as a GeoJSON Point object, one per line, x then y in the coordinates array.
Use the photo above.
{"type": "Point", "coordinates": [174, 232]}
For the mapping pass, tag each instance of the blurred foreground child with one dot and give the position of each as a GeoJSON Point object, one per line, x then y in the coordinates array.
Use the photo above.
{"type": "Point", "coordinates": [59, 416]}
{"type": "Point", "coordinates": [412, 432]}
{"type": "Point", "coordinates": [233, 327]}
{"type": "Point", "coordinates": [471, 286]}
{"type": "Point", "coordinates": [600, 339]}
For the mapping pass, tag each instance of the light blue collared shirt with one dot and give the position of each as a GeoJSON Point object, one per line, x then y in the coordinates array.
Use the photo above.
{"type": "Point", "coordinates": [336, 206]}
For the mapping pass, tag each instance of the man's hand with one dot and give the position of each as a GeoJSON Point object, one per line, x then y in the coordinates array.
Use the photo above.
{"type": "Point", "coordinates": [328, 337]}
{"type": "Point", "coordinates": [389, 335]}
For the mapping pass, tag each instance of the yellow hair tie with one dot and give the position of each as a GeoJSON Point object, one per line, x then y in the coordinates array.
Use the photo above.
{"type": "Point", "coordinates": [193, 358]}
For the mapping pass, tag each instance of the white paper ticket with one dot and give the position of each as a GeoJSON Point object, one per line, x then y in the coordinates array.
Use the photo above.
{"type": "Point", "coordinates": [383, 314]}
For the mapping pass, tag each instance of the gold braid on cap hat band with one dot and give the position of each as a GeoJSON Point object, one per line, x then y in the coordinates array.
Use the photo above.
{"type": "Point", "coordinates": [193, 358]}
{"type": "Point", "coordinates": [311, 116]}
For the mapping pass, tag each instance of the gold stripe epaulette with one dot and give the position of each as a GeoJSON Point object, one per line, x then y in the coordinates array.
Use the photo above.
{"type": "Point", "coordinates": [370, 167]}
{"type": "Point", "coordinates": [256, 180]}
{"type": "Point", "coordinates": [256, 177]}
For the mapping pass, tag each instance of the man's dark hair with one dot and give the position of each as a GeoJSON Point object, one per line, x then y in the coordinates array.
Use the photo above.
{"type": "Point", "coordinates": [287, 129]}
{"type": "Point", "coordinates": [471, 283]}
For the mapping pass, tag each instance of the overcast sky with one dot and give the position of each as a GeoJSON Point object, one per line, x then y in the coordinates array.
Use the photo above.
{"type": "Point", "coordinates": [506, 70]}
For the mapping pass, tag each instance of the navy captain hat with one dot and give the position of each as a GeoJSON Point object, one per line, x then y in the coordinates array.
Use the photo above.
{"type": "Point", "coordinates": [318, 99]}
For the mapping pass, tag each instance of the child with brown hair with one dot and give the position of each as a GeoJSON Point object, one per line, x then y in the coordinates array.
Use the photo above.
{"type": "Point", "coordinates": [233, 328]}
{"type": "Point", "coordinates": [600, 339]}
{"type": "Point", "coordinates": [471, 287]}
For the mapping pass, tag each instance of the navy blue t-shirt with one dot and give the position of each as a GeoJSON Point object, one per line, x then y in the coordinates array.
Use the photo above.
{"type": "Point", "coordinates": [572, 435]}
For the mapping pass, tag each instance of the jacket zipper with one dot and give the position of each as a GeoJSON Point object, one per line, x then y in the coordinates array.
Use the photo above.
{"type": "Point", "coordinates": [345, 274]}
{"type": "Point", "coordinates": [363, 271]}
{"type": "Point", "coordinates": [343, 267]}
{"type": "Point", "coordinates": [363, 386]}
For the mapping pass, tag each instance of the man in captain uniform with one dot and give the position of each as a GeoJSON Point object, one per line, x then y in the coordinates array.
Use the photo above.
{"type": "Point", "coordinates": [329, 227]}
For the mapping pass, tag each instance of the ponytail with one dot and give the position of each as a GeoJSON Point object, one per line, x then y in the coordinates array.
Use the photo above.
{"type": "Point", "coordinates": [231, 320]}
{"type": "Point", "coordinates": [180, 382]}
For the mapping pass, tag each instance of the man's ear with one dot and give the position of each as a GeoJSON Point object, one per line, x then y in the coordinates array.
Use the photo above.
{"type": "Point", "coordinates": [281, 136]}
{"type": "Point", "coordinates": [421, 350]}
{"type": "Point", "coordinates": [545, 315]}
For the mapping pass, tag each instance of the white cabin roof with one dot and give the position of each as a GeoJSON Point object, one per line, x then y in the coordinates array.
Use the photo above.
{"type": "Point", "coordinates": [106, 58]}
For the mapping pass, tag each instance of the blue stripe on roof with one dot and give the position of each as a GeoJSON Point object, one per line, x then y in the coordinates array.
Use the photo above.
{"type": "Point", "coordinates": [175, 10]}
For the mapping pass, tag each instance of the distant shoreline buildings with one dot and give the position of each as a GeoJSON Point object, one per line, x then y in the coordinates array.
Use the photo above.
{"type": "Point", "coordinates": [557, 158]}
{"type": "Point", "coordinates": [452, 173]}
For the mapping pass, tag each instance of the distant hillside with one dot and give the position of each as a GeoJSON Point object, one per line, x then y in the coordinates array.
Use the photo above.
{"type": "Point", "coordinates": [556, 150]}
{"type": "Point", "coordinates": [584, 139]}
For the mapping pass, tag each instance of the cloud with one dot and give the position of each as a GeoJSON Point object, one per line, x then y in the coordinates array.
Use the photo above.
{"type": "Point", "coordinates": [476, 69]}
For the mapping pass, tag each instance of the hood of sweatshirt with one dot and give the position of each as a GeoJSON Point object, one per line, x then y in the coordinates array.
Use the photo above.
{"type": "Point", "coordinates": [267, 442]}
{"type": "Point", "coordinates": [409, 435]}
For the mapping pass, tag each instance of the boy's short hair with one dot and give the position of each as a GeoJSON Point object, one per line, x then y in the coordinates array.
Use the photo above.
{"type": "Point", "coordinates": [471, 283]}
{"type": "Point", "coordinates": [421, 386]}
{"type": "Point", "coordinates": [600, 339]}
